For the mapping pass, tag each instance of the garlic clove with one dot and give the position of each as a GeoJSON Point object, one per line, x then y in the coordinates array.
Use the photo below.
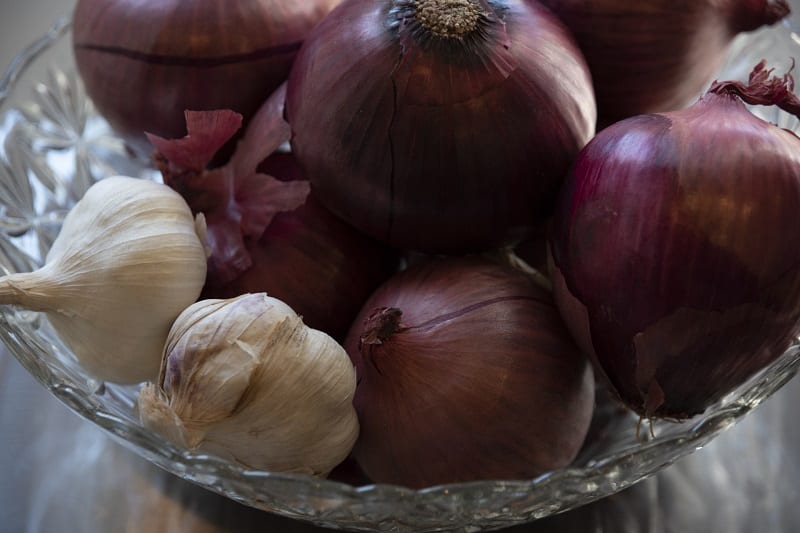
{"type": "Point", "coordinates": [245, 379]}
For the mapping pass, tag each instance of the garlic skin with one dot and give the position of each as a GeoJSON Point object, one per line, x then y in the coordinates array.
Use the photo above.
{"type": "Point", "coordinates": [128, 259]}
{"type": "Point", "coordinates": [245, 379]}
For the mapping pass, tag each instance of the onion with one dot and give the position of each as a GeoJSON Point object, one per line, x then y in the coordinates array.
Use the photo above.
{"type": "Point", "coordinates": [440, 126]}
{"type": "Point", "coordinates": [466, 372]}
{"type": "Point", "coordinates": [144, 62]}
{"type": "Point", "coordinates": [657, 55]}
{"type": "Point", "coordinates": [265, 231]}
{"type": "Point", "coordinates": [323, 268]}
{"type": "Point", "coordinates": [675, 248]}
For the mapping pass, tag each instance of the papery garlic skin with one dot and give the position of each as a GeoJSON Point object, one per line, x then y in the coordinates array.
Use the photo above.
{"type": "Point", "coordinates": [128, 259]}
{"type": "Point", "coordinates": [245, 379]}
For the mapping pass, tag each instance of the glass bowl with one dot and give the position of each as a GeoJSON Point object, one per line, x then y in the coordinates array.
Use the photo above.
{"type": "Point", "coordinates": [53, 146]}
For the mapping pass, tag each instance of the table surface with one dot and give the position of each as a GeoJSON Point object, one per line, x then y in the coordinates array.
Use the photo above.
{"type": "Point", "coordinates": [60, 473]}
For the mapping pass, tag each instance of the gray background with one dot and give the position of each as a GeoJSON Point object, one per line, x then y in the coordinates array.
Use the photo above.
{"type": "Point", "coordinates": [21, 21]}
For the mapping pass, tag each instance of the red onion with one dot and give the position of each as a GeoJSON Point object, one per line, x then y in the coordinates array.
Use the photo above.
{"type": "Point", "coordinates": [144, 62]}
{"type": "Point", "coordinates": [675, 248]}
{"type": "Point", "coordinates": [657, 55]}
{"type": "Point", "coordinates": [266, 233]}
{"type": "Point", "coordinates": [439, 125]}
{"type": "Point", "coordinates": [466, 372]}
{"type": "Point", "coordinates": [323, 268]}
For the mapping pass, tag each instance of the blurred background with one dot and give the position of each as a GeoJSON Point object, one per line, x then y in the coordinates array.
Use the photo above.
{"type": "Point", "coordinates": [60, 473]}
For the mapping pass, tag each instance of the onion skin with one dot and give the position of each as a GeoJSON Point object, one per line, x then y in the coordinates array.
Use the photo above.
{"type": "Point", "coordinates": [323, 268]}
{"type": "Point", "coordinates": [657, 55]}
{"type": "Point", "coordinates": [466, 372]}
{"type": "Point", "coordinates": [675, 248]}
{"type": "Point", "coordinates": [145, 62]}
{"type": "Point", "coordinates": [437, 145]}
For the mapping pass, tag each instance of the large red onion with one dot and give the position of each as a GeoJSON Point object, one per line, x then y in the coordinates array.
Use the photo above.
{"type": "Point", "coordinates": [145, 61]}
{"type": "Point", "coordinates": [266, 232]}
{"type": "Point", "coordinates": [466, 372]}
{"type": "Point", "coordinates": [439, 125]}
{"type": "Point", "coordinates": [676, 248]}
{"type": "Point", "coordinates": [657, 55]}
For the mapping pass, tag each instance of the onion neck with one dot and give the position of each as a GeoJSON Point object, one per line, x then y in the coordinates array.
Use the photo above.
{"type": "Point", "coordinates": [381, 325]}
{"type": "Point", "coordinates": [762, 89]}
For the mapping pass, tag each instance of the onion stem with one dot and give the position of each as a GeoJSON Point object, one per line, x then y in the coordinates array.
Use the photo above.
{"type": "Point", "coordinates": [20, 289]}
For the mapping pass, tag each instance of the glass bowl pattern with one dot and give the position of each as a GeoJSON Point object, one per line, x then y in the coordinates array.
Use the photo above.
{"type": "Point", "coordinates": [53, 146]}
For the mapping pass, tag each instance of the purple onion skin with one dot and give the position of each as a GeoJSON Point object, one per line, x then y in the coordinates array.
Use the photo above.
{"type": "Point", "coordinates": [478, 380]}
{"type": "Point", "coordinates": [649, 56]}
{"type": "Point", "coordinates": [322, 268]}
{"type": "Point", "coordinates": [144, 62]}
{"type": "Point", "coordinates": [676, 254]}
{"type": "Point", "coordinates": [433, 146]}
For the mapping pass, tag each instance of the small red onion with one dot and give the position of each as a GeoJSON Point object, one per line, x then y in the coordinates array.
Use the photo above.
{"type": "Point", "coordinates": [440, 126]}
{"type": "Point", "coordinates": [265, 231]}
{"type": "Point", "coordinates": [466, 372]}
{"type": "Point", "coordinates": [143, 62]}
{"type": "Point", "coordinates": [657, 55]}
{"type": "Point", "coordinates": [675, 248]}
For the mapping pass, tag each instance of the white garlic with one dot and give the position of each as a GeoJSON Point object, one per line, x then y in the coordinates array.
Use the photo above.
{"type": "Point", "coordinates": [245, 379]}
{"type": "Point", "coordinates": [128, 259]}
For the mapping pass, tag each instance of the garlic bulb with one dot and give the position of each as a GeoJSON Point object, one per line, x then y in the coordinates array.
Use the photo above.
{"type": "Point", "coordinates": [245, 379]}
{"type": "Point", "coordinates": [128, 259]}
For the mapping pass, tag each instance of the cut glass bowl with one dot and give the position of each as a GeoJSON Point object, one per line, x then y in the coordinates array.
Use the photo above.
{"type": "Point", "coordinates": [53, 146]}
